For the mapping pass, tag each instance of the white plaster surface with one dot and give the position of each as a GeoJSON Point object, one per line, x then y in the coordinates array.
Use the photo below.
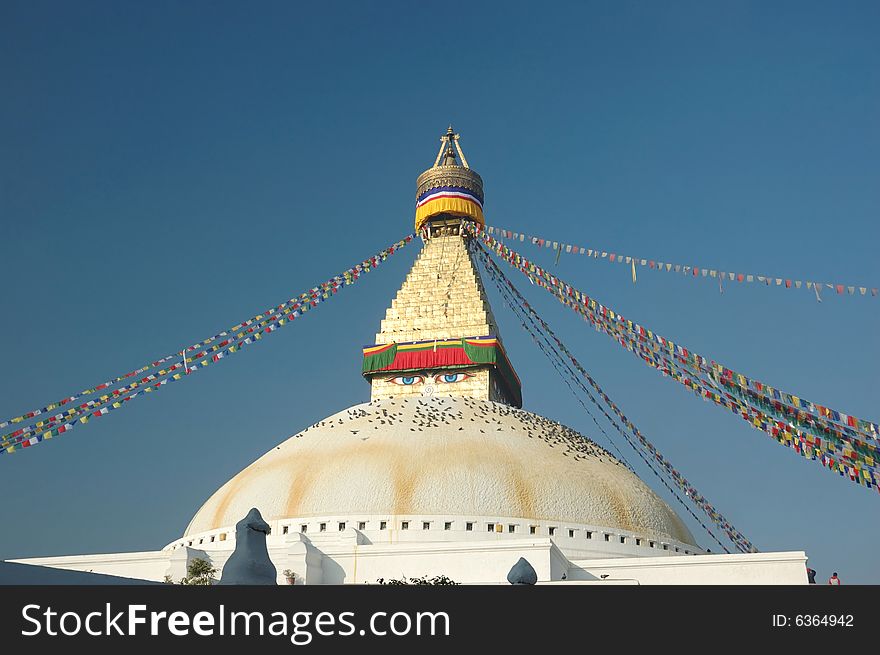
{"type": "Point", "coordinates": [346, 560]}
{"type": "Point", "coordinates": [442, 456]}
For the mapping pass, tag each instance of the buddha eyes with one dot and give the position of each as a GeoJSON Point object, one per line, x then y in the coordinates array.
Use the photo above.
{"type": "Point", "coordinates": [450, 378]}
{"type": "Point", "coordinates": [440, 378]}
{"type": "Point", "coordinates": [407, 380]}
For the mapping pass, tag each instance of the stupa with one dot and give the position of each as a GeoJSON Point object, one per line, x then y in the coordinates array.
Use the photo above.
{"type": "Point", "coordinates": [442, 472]}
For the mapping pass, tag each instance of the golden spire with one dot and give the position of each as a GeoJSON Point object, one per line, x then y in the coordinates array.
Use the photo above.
{"type": "Point", "coordinates": [449, 190]}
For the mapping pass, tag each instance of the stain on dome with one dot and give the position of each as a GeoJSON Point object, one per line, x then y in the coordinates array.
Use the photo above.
{"type": "Point", "coordinates": [442, 456]}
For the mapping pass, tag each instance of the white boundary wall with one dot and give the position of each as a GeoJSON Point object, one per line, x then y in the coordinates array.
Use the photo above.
{"type": "Point", "coordinates": [347, 560]}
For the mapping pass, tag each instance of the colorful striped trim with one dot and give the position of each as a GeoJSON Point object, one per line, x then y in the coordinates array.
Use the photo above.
{"type": "Point", "coordinates": [448, 192]}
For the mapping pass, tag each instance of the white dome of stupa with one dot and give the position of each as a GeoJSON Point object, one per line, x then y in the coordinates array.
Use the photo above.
{"type": "Point", "coordinates": [442, 456]}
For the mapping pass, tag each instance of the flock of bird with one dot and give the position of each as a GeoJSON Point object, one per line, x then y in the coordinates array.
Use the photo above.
{"type": "Point", "coordinates": [461, 414]}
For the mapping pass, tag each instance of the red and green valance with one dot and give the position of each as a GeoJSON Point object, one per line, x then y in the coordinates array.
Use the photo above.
{"type": "Point", "coordinates": [445, 354]}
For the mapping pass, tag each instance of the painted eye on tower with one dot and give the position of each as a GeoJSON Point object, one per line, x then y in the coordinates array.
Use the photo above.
{"type": "Point", "coordinates": [451, 378]}
{"type": "Point", "coordinates": [407, 380]}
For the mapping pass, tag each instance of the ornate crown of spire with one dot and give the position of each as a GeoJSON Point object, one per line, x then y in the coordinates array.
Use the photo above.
{"type": "Point", "coordinates": [449, 189]}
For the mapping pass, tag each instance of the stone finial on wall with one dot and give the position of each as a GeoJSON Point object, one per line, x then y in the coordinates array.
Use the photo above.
{"type": "Point", "coordinates": [250, 563]}
{"type": "Point", "coordinates": [522, 573]}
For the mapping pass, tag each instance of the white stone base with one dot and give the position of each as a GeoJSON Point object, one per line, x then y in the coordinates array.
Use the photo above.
{"type": "Point", "coordinates": [343, 560]}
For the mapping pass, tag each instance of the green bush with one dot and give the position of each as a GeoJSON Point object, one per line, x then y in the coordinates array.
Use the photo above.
{"type": "Point", "coordinates": [424, 580]}
{"type": "Point", "coordinates": [199, 572]}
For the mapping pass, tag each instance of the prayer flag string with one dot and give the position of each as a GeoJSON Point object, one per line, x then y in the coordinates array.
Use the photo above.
{"type": "Point", "coordinates": [521, 308]}
{"type": "Point", "coordinates": [806, 411]}
{"type": "Point", "coordinates": [559, 247]}
{"type": "Point", "coordinates": [250, 331]}
{"type": "Point", "coordinates": [850, 449]}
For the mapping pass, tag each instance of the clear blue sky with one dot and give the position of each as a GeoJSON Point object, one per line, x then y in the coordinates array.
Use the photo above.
{"type": "Point", "coordinates": [168, 169]}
